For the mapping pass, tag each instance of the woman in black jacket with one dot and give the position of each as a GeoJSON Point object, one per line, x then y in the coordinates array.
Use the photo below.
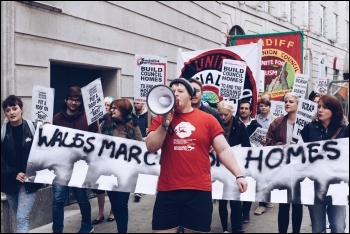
{"type": "Point", "coordinates": [330, 123]}
{"type": "Point", "coordinates": [236, 134]}
{"type": "Point", "coordinates": [16, 142]}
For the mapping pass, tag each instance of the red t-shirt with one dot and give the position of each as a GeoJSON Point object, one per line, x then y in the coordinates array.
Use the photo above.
{"type": "Point", "coordinates": [185, 162]}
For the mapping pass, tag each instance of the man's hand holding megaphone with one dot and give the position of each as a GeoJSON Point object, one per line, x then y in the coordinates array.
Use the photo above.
{"type": "Point", "coordinates": [166, 120]}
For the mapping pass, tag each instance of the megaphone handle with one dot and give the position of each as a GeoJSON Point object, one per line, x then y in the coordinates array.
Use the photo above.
{"type": "Point", "coordinates": [149, 116]}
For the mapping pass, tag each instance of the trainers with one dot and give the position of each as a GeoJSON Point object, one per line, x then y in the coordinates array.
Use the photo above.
{"type": "Point", "coordinates": [260, 210]}
{"type": "Point", "coordinates": [137, 197]}
{"type": "Point", "coordinates": [246, 218]}
{"type": "Point", "coordinates": [269, 205]}
{"type": "Point", "coordinates": [239, 230]}
{"type": "Point", "coordinates": [86, 229]}
{"type": "Point", "coordinates": [225, 232]}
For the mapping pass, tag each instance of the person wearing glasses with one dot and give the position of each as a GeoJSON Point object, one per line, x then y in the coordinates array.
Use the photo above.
{"type": "Point", "coordinates": [125, 124]}
{"type": "Point", "coordinates": [72, 115]}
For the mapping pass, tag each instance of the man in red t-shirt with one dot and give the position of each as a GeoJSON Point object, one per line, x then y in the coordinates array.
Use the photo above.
{"type": "Point", "coordinates": [184, 187]}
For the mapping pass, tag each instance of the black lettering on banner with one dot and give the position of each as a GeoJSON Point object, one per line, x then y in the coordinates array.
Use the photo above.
{"type": "Point", "coordinates": [106, 144]}
{"type": "Point", "coordinates": [250, 158]}
{"type": "Point", "coordinates": [92, 147]}
{"type": "Point", "coordinates": [134, 152]}
{"type": "Point", "coordinates": [274, 151]}
{"type": "Point", "coordinates": [314, 150]}
{"type": "Point", "coordinates": [77, 139]}
{"type": "Point", "coordinates": [331, 149]}
{"type": "Point", "coordinates": [299, 151]}
{"type": "Point", "coordinates": [64, 141]}
{"type": "Point", "coordinates": [145, 159]}
{"type": "Point", "coordinates": [122, 151]}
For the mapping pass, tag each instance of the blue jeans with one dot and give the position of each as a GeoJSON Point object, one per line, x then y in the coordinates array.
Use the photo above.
{"type": "Point", "coordinates": [119, 202]}
{"type": "Point", "coordinates": [21, 205]}
{"type": "Point", "coordinates": [59, 197]}
{"type": "Point", "coordinates": [336, 218]}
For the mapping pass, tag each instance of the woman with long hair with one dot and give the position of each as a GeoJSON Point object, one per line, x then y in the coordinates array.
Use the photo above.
{"type": "Point", "coordinates": [330, 123]}
{"type": "Point", "coordinates": [280, 133]}
{"type": "Point", "coordinates": [236, 134]}
{"type": "Point", "coordinates": [121, 123]}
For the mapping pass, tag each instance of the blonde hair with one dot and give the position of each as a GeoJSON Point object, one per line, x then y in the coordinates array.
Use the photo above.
{"type": "Point", "coordinates": [228, 105]}
{"type": "Point", "coordinates": [109, 99]}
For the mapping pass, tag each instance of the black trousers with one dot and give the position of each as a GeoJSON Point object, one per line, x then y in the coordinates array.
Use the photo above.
{"type": "Point", "coordinates": [283, 217]}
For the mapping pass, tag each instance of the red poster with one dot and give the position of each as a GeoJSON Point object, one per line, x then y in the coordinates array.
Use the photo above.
{"type": "Point", "coordinates": [282, 57]}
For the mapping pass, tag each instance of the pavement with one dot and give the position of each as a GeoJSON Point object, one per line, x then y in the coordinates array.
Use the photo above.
{"type": "Point", "coordinates": [140, 218]}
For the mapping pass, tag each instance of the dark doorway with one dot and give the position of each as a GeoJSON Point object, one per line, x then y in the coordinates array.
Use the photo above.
{"type": "Point", "coordinates": [63, 76]}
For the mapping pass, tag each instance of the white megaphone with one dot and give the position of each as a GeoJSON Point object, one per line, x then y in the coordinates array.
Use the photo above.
{"type": "Point", "coordinates": [160, 100]}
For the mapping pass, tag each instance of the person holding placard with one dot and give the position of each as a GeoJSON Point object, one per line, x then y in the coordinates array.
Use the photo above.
{"type": "Point", "coordinates": [236, 134]}
{"type": "Point", "coordinates": [185, 136]}
{"type": "Point", "coordinates": [280, 133]}
{"type": "Point", "coordinates": [16, 141]}
{"type": "Point", "coordinates": [101, 194]}
{"type": "Point", "coordinates": [72, 115]}
{"type": "Point", "coordinates": [121, 123]}
{"type": "Point", "coordinates": [330, 123]}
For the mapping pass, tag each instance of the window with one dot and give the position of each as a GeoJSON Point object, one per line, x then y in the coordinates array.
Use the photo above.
{"type": "Point", "coordinates": [322, 19]}
{"type": "Point", "coordinates": [265, 6]}
{"type": "Point", "coordinates": [335, 26]}
{"type": "Point", "coordinates": [307, 13]}
{"type": "Point", "coordinates": [288, 11]}
{"type": "Point", "coordinates": [235, 30]}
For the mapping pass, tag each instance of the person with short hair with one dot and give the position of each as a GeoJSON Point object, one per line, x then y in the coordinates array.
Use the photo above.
{"type": "Point", "coordinates": [185, 136]}
{"type": "Point", "coordinates": [328, 124]}
{"type": "Point", "coordinates": [16, 142]}
{"type": "Point", "coordinates": [280, 132]}
{"type": "Point", "coordinates": [72, 115]}
{"type": "Point", "coordinates": [196, 100]}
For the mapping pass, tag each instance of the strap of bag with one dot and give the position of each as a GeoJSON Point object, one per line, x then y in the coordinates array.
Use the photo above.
{"type": "Point", "coordinates": [336, 133]}
{"type": "Point", "coordinates": [3, 132]}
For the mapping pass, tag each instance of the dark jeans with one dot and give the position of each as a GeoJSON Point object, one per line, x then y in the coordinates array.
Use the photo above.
{"type": "Point", "coordinates": [119, 202]}
{"type": "Point", "coordinates": [283, 217]}
{"type": "Point", "coordinates": [236, 215]}
{"type": "Point", "coordinates": [246, 207]}
{"type": "Point", "coordinates": [59, 197]}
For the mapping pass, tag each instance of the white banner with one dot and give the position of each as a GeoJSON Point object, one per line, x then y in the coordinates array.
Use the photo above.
{"type": "Point", "coordinates": [306, 111]}
{"type": "Point", "coordinates": [232, 79]}
{"type": "Point", "coordinates": [94, 102]}
{"type": "Point", "coordinates": [42, 103]}
{"type": "Point", "coordinates": [150, 70]}
{"type": "Point", "coordinates": [76, 158]}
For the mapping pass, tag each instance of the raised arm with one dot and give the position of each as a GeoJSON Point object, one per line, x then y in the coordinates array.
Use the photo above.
{"type": "Point", "coordinates": [227, 158]}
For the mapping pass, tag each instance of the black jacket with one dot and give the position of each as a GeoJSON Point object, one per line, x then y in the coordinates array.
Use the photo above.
{"type": "Point", "coordinates": [252, 126]}
{"type": "Point", "coordinates": [314, 131]}
{"type": "Point", "coordinates": [11, 166]}
{"type": "Point", "coordinates": [238, 134]}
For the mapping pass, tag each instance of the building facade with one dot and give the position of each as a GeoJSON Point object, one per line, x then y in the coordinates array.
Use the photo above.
{"type": "Point", "coordinates": [62, 43]}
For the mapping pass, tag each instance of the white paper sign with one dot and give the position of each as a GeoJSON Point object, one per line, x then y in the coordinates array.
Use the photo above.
{"type": "Point", "coordinates": [93, 101]}
{"type": "Point", "coordinates": [42, 103]}
{"type": "Point", "coordinates": [300, 84]}
{"type": "Point", "coordinates": [322, 81]}
{"type": "Point", "coordinates": [306, 111]}
{"type": "Point", "coordinates": [150, 70]}
{"type": "Point", "coordinates": [261, 83]}
{"type": "Point", "coordinates": [232, 80]}
{"type": "Point", "coordinates": [258, 136]}
{"type": "Point", "coordinates": [277, 108]}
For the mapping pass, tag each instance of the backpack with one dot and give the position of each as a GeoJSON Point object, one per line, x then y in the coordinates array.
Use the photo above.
{"type": "Point", "coordinates": [3, 129]}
